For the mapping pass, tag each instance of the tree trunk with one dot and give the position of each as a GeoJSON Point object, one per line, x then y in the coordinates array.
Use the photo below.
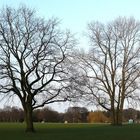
{"type": "Point", "coordinates": [116, 113]}
{"type": "Point", "coordinates": [120, 112]}
{"type": "Point", "coordinates": [28, 112]}
{"type": "Point", "coordinates": [116, 117]}
{"type": "Point", "coordinates": [113, 113]}
{"type": "Point", "coordinates": [113, 117]}
{"type": "Point", "coordinates": [119, 117]}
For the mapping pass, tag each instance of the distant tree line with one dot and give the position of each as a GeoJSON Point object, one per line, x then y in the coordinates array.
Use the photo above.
{"type": "Point", "coordinates": [72, 115]}
{"type": "Point", "coordinates": [11, 114]}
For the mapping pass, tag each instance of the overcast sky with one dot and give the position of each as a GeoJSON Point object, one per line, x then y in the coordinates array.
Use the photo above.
{"type": "Point", "coordinates": [75, 14]}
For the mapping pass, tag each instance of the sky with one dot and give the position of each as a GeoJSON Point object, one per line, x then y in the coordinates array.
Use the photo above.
{"type": "Point", "coordinates": [76, 14]}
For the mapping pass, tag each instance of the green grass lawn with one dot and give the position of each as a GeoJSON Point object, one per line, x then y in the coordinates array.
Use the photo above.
{"type": "Point", "coordinates": [15, 131]}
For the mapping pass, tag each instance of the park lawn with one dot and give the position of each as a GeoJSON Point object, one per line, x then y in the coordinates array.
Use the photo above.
{"type": "Point", "coordinates": [15, 131]}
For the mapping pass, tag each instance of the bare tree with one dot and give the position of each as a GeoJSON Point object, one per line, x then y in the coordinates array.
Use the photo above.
{"type": "Point", "coordinates": [33, 59]}
{"type": "Point", "coordinates": [110, 71]}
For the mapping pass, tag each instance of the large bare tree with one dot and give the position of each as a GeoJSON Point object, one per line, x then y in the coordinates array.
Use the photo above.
{"type": "Point", "coordinates": [33, 59]}
{"type": "Point", "coordinates": [110, 71]}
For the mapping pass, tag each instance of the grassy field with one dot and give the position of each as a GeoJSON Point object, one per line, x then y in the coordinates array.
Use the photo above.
{"type": "Point", "coordinates": [14, 131]}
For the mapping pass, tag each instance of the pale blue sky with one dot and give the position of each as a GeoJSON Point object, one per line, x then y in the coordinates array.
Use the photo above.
{"type": "Point", "coordinates": [75, 14]}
